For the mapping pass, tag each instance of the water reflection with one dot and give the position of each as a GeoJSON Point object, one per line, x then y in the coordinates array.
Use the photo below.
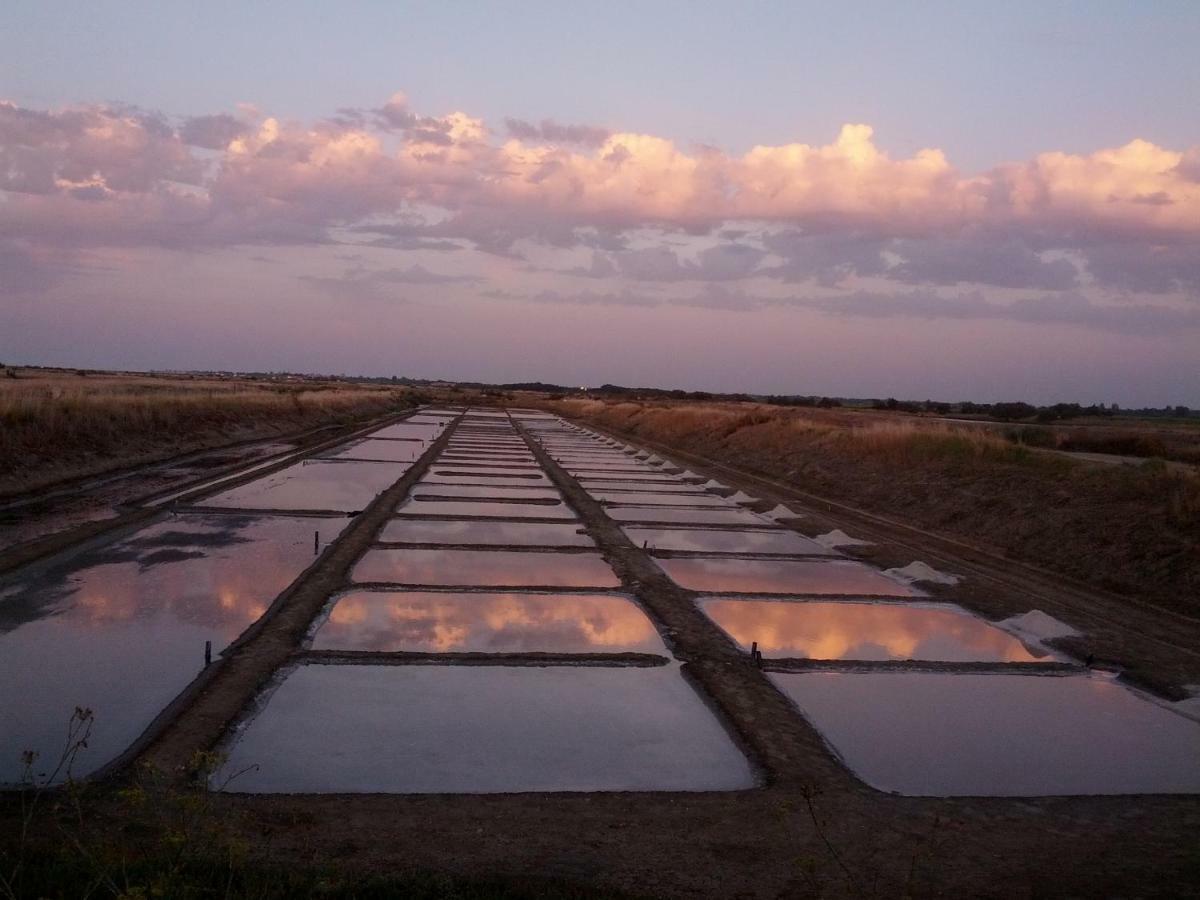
{"type": "Point", "coordinates": [121, 629]}
{"type": "Point", "coordinates": [533, 534]}
{"type": "Point", "coordinates": [481, 508]}
{"type": "Point", "coordinates": [481, 729]}
{"type": "Point", "coordinates": [502, 491]}
{"type": "Point", "coordinates": [485, 568]}
{"type": "Point", "coordinates": [712, 540]}
{"type": "Point", "coordinates": [781, 576]}
{"type": "Point", "coordinates": [684, 516]}
{"type": "Point", "coordinates": [926, 734]}
{"type": "Point", "coordinates": [865, 631]}
{"type": "Point", "coordinates": [378, 450]}
{"type": "Point", "coordinates": [487, 623]}
{"type": "Point", "coordinates": [313, 485]}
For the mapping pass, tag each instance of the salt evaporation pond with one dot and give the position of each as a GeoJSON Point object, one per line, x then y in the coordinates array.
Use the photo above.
{"type": "Point", "coordinates": [939, 735]}
{"type": "Point", "coordinates": [719, 540]}
{"type": "Point", "coordinates": [483, 729]}
{"type": "Point", "coordinates": [531, 534]}
{"type": "Point", "coordinates": [120, 629]}
{"type": "Point", "coordinates": [378, 451]}
{"type": "Point", "coordinates": [484, 568]}
{"type": "Point", "coordinates": [781, 576]}
{"type": "Point", "coordinates": [425, 506]}
{"type": "Point", "coordinates": [813, 629]}
{"type": "Point", "coordinates": [451, 622]}
{"type": "Point", "coordinates": [313, 485]}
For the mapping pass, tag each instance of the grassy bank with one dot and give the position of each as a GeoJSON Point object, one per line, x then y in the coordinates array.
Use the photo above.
{"type": "Point", "coordinates": [56, 425]}
{"type": "Point", "coordinates": [1130, 529]}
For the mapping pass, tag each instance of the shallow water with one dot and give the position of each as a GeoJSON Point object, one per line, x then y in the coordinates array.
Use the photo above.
{"type": "Point", "coordinates": [502, 492]}
{"type": "Point", "coordinates": [484, 508]}
{"type": "Point", "coordinates": [682, 516]}
{"type": "Point", "coordinates": [386, 451]}
{"type": "Point", "coordinates": [865, 631]}
{"type": "Point", "coordinates": [404, 431]}
{"type": "Point", "coordinates": [781, 576]}
{"type": "Point", "coordinates": [484, 568]}
{"type": "Point", "coordinates": [313, 485]}
{"type": "Point", "coordinates": [437, 622]}
{"type": "Point", "coordinates": [533, 534]}
{"type": "Point", "coordinates": [639, 498]}
{"type": "Point", "coordinates": [485, 729]}
{"type": "Point", "coordinates": [719, 540]}
{"type": "Point", "coordinates": [926, 734]}
{"type": "Point", "coordinates": [121, 628]}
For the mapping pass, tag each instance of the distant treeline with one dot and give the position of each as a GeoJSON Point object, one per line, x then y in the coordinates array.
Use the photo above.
{"type": "Point", "coordinates": [1015, 411]}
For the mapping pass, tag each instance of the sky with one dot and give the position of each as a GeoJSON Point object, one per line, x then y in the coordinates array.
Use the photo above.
{"type": "Point", "coordinates": [943, 200]}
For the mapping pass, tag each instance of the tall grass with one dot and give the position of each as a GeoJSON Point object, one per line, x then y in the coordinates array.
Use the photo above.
{"type": "Point", "coordinates": [52, 426]}
{"type": "Point", "coordinates": [1131, 528]}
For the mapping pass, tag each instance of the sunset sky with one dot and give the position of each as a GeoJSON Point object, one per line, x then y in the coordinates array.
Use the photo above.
{"type": "Point", "coordinates": [944, 200]}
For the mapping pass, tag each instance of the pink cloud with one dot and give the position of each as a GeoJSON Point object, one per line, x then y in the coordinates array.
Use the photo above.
{"type": "Point", "coordinates": [105, 176]}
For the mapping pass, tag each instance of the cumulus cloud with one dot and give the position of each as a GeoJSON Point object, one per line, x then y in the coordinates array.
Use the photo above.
{"type": "Point", "coordinates": [108, 175]}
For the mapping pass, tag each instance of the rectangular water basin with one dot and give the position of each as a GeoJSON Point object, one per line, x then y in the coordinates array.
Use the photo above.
{"type": "Point", "coordinates": [435, 477]}
{"type": "Point", "coordinates": [484, 509]}
{"type": "Point", "coordinates": [404, 431]}
{"type": "Point", "coordinates": [438, 622]}
{"type": "Point", "coordinates": [640, 498]}
{"type": "Point", "coordinates": [379, 451]}
{"type": "Point", "coordinates": [120, 629]}
{"type": "Point", "coordinates": [720, 540]}
{"type": "Point", "coordinates": [813, 629]}
{"type": "Point", "coordinates": [937, 735]}
{"type": "Point", "coordinates": [532, 534]}
{"type": "Point", "coordinates": [782, 576]}
{"type": "Point", "coordinates": [673, 515]}
{"type": "Point", "coordinates": [503, 492]}
{"type": "Point", "coordinates": [483, 729]}
{"type": "Point", "coordinates": [484, 568]}
{"type": "Point", "coordinates": [313, 485]}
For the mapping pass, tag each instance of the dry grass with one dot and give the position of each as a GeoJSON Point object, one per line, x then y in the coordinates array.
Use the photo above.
{"type": "Point", "coordinates": [1129, 528]}
{"type": "Point", "coordinates": [59, 424]}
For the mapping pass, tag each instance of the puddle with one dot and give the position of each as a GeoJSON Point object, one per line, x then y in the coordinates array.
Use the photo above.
{"type": "Point", "coordinates": [865, 631]}
{"type": "Point", "coordinates": [432, 622]}
{"type": "Point", "coordinates": [683, 516]}
{"type": "Point", "coordinates": [781, 576]}
{"type": "Point", "coordinates": [484, 508]}
{"type": "Point", "coordinates": [313, 485]}
{"type": "Point", "coordinates": [484, 568]}
{"type": "Point", "coordinates": [484, 729]}
{"type": "Point", "coordinates": [926, 734]}
{"type": "Point", "coordinates": [120, 629]}
{"type": "Point", "coordinates": [533, 534]}
{"type": "Point", "coordinates": [637, 498]}
{"type": "Point", "coordinates": [712, 540]}
{"type": "Point", "coordinates": [384, 451]}
{"type": "Point", "coordinates": [504, 492]}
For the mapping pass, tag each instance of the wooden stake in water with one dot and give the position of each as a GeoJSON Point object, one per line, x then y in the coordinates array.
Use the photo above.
{"type": "Point", "coordinates": [316, 542]}
{"type": "Point", "coordinates": [208, 653]}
